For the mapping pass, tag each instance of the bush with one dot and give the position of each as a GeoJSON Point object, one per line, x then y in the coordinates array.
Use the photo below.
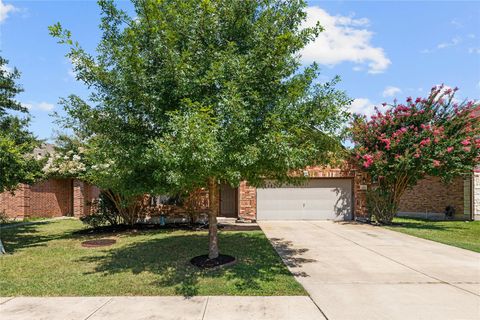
{"type": "Point", "coordinates": [105, 213]}
{"type": "Point", "coordinates": [3, 217]}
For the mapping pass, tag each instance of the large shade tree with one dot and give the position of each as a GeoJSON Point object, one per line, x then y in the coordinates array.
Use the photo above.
{"type": "Point", "coordinates": [189, 94]}
{"type": "Point", "coordinates": [437, 136]}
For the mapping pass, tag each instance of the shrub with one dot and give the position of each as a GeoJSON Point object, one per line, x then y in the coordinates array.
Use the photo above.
{"type": "Point", "coordinates": [114, 209]}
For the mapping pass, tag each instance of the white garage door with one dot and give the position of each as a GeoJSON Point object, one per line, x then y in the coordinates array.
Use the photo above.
{"type": "Point", "coordinates": [319, 199]}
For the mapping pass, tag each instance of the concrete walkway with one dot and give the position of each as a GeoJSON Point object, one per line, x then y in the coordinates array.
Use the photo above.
{"type": "Point", "coordinates": [161, 308]}
{"type": "Point", "coordinates": [357, 271]}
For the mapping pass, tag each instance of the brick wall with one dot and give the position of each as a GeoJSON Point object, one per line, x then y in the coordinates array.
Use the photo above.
{"type": "Point", "coordinates": [430, 195]}
{"type": "Point", "coordinates": [83, 196]}
{"type": "Point", "coordinates": [50, 198]}
{"type": "Point", "coordinates": [15, 204]}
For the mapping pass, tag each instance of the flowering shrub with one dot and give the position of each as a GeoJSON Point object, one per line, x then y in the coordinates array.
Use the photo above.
{"type": "Point", "coordinates": [435, 136]}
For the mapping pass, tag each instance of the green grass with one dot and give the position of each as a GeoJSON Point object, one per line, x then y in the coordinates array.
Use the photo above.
{"type": "Point", "coordinates": [47, 259]}
{"type": "Point", "coordinates": [462, 234]}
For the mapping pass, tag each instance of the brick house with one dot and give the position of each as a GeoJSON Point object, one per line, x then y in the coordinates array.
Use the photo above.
{"type": "Point", "coordinates": [329, 193]}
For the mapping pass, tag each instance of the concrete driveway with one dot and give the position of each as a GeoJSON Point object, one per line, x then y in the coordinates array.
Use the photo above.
{"type": "Point", "coordinates": [357, 271]}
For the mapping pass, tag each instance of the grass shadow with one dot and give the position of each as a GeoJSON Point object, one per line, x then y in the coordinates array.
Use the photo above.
{"type": "Point", "coordinates": [169, 256]}
{"type": "Point", "coordinates": [28, 235]}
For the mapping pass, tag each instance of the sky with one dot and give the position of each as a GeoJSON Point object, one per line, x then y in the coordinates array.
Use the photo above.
{"type": "Point", "coordinates": [382, 50]}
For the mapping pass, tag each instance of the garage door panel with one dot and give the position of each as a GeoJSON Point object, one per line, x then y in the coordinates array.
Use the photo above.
{"type": "Point", "coordinates": [319, 199]}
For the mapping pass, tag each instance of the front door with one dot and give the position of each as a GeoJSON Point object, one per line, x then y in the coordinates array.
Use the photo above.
{"type": "Point", "coordinates": [228, 201]}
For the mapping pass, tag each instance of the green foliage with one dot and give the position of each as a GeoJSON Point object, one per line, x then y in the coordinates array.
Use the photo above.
{"type": "Point", "coordinates": [106, 213]}
{"type": "Point", "coordinates": [192, 90]}
{"type": "Point", "coordinates": [17, 163]}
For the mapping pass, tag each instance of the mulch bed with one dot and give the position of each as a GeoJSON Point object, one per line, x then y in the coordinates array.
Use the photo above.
{"type": "Point", "coordinates": [98, 243]}
{"type": "Point", "coordinates": [203, 262]}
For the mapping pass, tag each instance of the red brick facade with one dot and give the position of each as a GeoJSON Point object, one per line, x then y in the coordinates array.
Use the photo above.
{"type": "Point", "coordinates": [248, 194]}
{"type": "Point", "coordinates": [432, 196]}
{"type": "Point", "coordinates": [67, 197]}
{"type": "Point", "coordinates": [49, 198]}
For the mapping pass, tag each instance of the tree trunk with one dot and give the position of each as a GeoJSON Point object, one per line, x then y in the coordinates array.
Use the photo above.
{"type": "Point", "coordinates": [2, 249]}
{"type": "Point", "coordinates": [213, 193]}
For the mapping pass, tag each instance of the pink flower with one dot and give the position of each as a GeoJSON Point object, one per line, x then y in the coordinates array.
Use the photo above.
{"type": "Point", "coordinates": [436, 163]}
{"type": "Point", "coordinates": [417, 155]}
{"type": "Point", "coordinates": [387, 143]}
{"type": "Point", "coordinates": [465, 142]}
{"type": "Point", "coordinates": [449, 149]}
{"type": "Point", "coordinates": [368, 160]}
{"type": "Point", "coordinates": [466, 149]}
{"type": "Point", "coordinates": [425, 142]}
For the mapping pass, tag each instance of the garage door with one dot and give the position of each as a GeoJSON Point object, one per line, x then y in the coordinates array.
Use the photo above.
{"type": "Point", "coordinates": [318, 199]}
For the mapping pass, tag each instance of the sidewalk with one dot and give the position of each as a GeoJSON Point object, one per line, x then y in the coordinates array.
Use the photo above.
{"type": "Point", "coordinates": [162, 308]}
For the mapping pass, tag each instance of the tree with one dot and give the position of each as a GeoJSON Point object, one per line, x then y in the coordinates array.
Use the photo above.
{"type": "Point", "coordinates": [81, 158]}
{"type": "Point", "coordinates": [191, 94]}
{"type": "Point", "coordinates": [436, 136]}
{"type": "Point", "coordinates": [17, 163]}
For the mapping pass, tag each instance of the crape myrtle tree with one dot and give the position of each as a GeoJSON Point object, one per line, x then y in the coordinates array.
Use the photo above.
{"type": "Point", "coordinates": [17, 163]}
{"type": "Point", "coordinates": [189, 94]}
{"type": "Point", "coordinates": [437, 136]}
{"type": "Point", "coordinates": [82, 158]}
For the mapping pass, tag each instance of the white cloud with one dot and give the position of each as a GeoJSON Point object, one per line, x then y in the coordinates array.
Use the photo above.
{"type": "Point", "coordinates": [5, 9]}
{"type": "Point", "coordinates": [345, 38]}
{"type": "Point", "coordinates": [41, 106]}
{"type": "Point", "coordinates": [453, 42]}
{"type": "Point", "coordinates": [474, 50]}
{"type": "Point", "coordinates": [362, 106]}
{"type": "Point", "coordinates": [391, 91]}
{"type": "Point", "coordinates": [456, 23]}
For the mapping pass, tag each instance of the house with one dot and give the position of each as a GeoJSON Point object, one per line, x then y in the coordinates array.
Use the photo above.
{"type": "Point", "coordinates": [49, 198]}
{"type": "Point", "coordinates": [329, 193]}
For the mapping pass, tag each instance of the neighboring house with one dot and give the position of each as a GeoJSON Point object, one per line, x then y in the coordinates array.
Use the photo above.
{"type": "Point", "coordinates": [49, 198]}
{"type": "Point", "coordinates": [430, 197]}
{"type": "Point", "coordinates": [328, 194]}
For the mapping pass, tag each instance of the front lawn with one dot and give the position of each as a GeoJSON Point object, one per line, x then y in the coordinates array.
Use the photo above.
{"type": "Point", "coordinates": [462, 234]}
{"type": "Point", "coordinates": [47, 259]}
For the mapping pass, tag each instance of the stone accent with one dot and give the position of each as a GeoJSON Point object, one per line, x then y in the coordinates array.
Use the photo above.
{"type": "Point", "coordinates": [476, 195]}
{"type": "Point", "coordinates": [431, 196]}
{"type": "Point", "coordinates": [247, 208]}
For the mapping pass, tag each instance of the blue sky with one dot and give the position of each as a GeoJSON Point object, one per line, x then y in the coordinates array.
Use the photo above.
{"type": "Point", "coordinates": [381, 49]}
